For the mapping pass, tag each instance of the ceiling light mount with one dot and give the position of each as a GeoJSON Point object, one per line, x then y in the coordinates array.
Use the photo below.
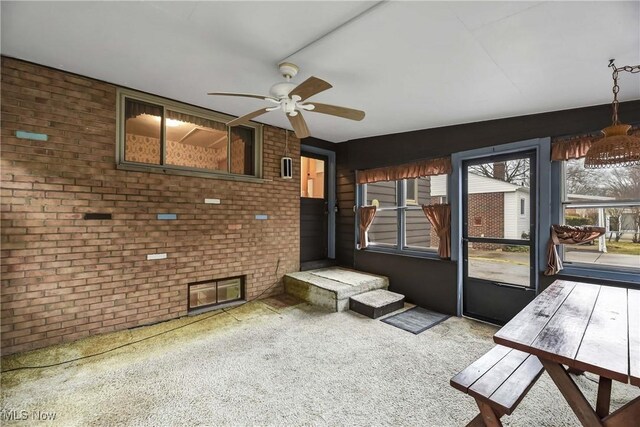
{"type": "Point", "coordinates": [617, 148]}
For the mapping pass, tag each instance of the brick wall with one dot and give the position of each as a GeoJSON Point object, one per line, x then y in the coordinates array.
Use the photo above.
{"type": "Point", "coordinates": [65, 278]}
{"type": "Point", "coordinates": [486, 217]}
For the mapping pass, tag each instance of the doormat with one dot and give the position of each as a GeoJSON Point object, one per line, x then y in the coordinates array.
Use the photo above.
{"type": "Point", "coordinates": [416, 320]}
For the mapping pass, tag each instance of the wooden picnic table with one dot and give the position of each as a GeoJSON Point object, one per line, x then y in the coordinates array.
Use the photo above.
{"type": "Point", "coordinates": [586, 327]}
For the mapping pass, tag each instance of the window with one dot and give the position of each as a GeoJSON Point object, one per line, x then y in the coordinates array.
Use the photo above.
{"type": "Point", "coordinates": [522, 207]}
{"type": "Point", "coordinates": [607, 198]}
{"type": "Point", "coordinates": [169, 136]}
{"type": "Point", "coordinates": [412, 191]}
{"type": "Point", "coordinates": [213, 292]}
{"type": "Point", "coordinates": [400, 225]}
{"type": "Point", "coordinates": [312, 177]}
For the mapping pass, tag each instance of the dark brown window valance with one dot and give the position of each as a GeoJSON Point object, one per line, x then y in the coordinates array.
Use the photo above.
{"type": "Point", "coordinates": [199, 121]}
{"type": "Point", "coordinates": [576, 147]}
{"type": "Point", "coordinates": [134, 108]}
{"type": "Point", "coordinates": [406, 171]}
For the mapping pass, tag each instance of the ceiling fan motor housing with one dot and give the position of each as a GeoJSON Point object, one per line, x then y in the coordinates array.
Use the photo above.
{"type": "Point", "coordinates": [282, 89]}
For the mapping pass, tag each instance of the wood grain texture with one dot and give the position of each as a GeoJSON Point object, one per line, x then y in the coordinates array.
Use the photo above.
{"type": "Point", "coordinates": [513, 390]}
{"type": "Point", "coordinates": [560, 339]}
{"type": "Point", "coordinates": [626, 416]}
{"type": "Point", "coordinates": [490, 417]}
{"type": "Point", "coordinates": [334, 110]}
{"type": "Point", "coordinates": [486, 385]}
{"type": "Point", "coordinates": [473, 372]}
{"type": "Point", "coordinates": [247, 117]}
{"type": "Point", "coordinates": [633, 310]}
{"type": "Point", "coordinates": [603, 401]}
{"type": "Point", "coordinates": [243, 95]}
{"type": "Point", "coordinates": [299, 125]}
{"type": "Point", "coordinates": [309, 87]}
{"type": "Point", "coordinates": [572, 394]}
{"type": "Point", "coordinates": [523, 329]}
{"type": "Point", "coordinates": [604, 349]}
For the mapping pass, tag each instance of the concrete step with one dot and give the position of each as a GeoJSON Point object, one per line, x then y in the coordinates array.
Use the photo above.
{"type": "Point", "coordinates": [331, 287]}
{"type": "Point", "coordinates": [376, 303]}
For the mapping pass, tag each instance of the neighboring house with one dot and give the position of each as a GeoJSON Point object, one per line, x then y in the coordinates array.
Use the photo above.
{"type": "Point", "coordinates": [496, 208]}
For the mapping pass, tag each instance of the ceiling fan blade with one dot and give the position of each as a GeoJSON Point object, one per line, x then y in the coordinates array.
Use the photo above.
{"type": "Point", "coordinates": [244, 95]}
{"type": "Point", "coordinates": [309, 87]}
{"type": "Point", "coordinates": [299, 125]}
{"type": "Point", "coordinates": [246, 118]}
{"type": "Point", "coordinates": [334, 110]}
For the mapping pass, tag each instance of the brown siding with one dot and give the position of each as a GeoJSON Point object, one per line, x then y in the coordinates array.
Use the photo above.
{"type": "Point", "coordinates": [65, 278]}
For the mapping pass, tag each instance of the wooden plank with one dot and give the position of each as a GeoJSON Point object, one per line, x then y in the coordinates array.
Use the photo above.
{"type": "Point", "coordinates": [513, 390]}
{"type": "Point", "coordinates": [572, 394]}
{"type": "Point", "coordinates": [486, 385]}
{"type": "Point", "coordinates": [560, 339]}
{"type": "Point", "coordinates": [476, 422]}
{"type": "Point", "coordinates": [490, 417]}
{"type": "Point", "coordinates": [604, 349]}
{"type": "Point", "coordinates": [603, 401]}
{"type": "Point", "coordinates": [626, 416]}
{"type": "Point", "coordinates": [473, 372]}
{"type": "Point", "coordinates": [522, 330]}
{"type": "Point", "coordinates": [633, 309]}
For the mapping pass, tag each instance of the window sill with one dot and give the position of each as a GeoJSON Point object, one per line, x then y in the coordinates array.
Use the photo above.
{"type": "Point", "coordinates": [192, 173]}
{"type": "Point", "coordinates": [617, 275]}
{"type": "Point", "coordinates": [406, 253]}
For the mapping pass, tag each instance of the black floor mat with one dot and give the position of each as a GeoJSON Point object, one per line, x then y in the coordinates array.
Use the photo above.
{"type": "Point", "coordinates": [416, 319]}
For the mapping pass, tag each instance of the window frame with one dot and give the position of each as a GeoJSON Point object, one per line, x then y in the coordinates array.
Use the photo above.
{"type": "Point", "coordinates": [400, 248]}
{"type": "Point", "coordinates": [411, 201]}
{"type": "Point", "coordinates": [591, 271]}
{"type": "Point", "coordinates": [179, 107]}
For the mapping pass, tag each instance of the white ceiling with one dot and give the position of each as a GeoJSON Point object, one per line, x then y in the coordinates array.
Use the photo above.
{"type": "Point", "coordinates": [409, 65]}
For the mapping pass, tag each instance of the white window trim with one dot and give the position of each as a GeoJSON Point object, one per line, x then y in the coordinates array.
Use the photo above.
{"type": "Point", "coordinates": [179, 107]}
{"type": "Point", "coordinates": [413, 201]}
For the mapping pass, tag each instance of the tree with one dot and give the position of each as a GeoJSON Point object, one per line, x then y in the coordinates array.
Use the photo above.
{"type": "Point", "coordinates": [512, 171]}
{"type": "Point", "coordinates": [624, 184]}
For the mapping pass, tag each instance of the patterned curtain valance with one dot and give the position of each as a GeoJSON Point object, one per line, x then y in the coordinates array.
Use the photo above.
{"type": "Point", "coordinates": [576, 147]}
{"type": "Point", "coordinates": [406, 171]}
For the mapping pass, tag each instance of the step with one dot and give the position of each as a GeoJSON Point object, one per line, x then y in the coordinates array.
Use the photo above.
{"type": "Point", "coordinates": [332, 287]}
{"type": "Point", "coordinates": [376, 303]}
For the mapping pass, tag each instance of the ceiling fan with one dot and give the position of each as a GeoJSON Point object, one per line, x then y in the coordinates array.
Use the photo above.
{"type": "Point", "coordinates": [292, 100]}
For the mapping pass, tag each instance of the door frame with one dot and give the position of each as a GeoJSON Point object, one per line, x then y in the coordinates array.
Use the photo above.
{"type": "Point", "coordinates": [542, 148]}
{"type": "Point", "coordinates": [331, 194]}
{"type": "Point", "coordinates": [492, 310]}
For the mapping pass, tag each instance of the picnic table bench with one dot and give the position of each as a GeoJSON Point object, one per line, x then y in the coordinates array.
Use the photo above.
{"type": "Point", "coordinates": [498, 381]}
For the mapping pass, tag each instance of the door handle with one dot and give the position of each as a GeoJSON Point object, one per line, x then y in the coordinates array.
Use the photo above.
{"type": "Point", "coordinates": [510, 285]}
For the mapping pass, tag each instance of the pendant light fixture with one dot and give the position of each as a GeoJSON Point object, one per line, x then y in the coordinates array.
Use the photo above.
{"type": "Point", "coordinates": [617, 148]}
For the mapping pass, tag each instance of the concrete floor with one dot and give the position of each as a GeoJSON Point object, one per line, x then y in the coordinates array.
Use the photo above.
{"type": "Point", "coordinates": [271, 364]}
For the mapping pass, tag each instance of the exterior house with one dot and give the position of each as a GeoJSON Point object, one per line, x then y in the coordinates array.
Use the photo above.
{"type": "Point", "coordinates": [496, 208]}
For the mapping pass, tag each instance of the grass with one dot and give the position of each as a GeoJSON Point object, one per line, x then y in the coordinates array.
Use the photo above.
{"type": "Point", "coordinates": [626, 248]}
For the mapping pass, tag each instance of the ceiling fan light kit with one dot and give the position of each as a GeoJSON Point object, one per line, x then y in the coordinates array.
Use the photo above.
{"type": "Point", "coordinates": [617, 148]}
{"type": "Point", "coordinates": [291, 99]}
